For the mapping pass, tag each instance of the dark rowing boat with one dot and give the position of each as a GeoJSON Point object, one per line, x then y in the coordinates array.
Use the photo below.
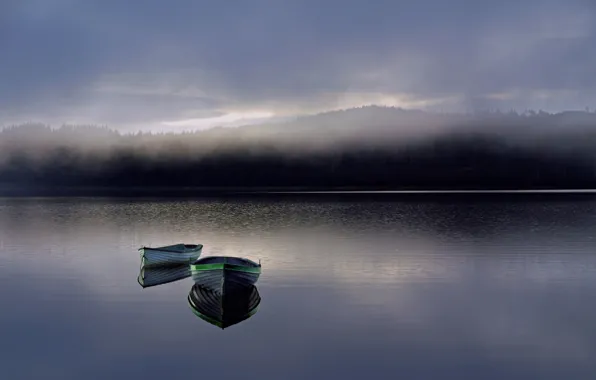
{"type": "Point", "coordinates": [220, 273]}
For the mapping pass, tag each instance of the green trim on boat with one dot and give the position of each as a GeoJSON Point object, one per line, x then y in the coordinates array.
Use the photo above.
{"type": "Point", "coordinates": [203, 316]}
{"type": "Point", "coordinates": [225, 266]}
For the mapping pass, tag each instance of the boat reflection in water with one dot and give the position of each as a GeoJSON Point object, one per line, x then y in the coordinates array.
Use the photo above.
{"type": "Point", "coordinates": [153, 276]}
{"type": "Point", "coordinates": [224, 309]}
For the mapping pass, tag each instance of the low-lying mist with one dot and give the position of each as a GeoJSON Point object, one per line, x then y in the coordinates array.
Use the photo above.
{"type": "Point", "coordinates": [369, 147]}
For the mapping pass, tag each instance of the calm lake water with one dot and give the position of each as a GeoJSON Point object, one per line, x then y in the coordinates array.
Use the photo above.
{"type": "Point", "coordinates": [350, 290]}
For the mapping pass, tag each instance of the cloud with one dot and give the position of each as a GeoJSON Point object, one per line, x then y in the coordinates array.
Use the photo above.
{"type": "Point", "coordinates": [113, 62]}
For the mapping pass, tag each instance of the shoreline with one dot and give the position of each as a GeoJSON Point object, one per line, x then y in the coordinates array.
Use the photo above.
{"type": "Point", "coordinates": [331, 194]}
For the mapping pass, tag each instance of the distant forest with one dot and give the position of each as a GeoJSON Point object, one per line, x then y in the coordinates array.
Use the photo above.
{"type": "Point", "coordinates": [362, 148]}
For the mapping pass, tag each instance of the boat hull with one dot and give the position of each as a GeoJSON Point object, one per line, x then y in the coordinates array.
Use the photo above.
{"type": "Point", "coordinates": [223, 279]}
{"type": "Point", "coordinates": [151, 257]}
{"type": "Point", "coordinates": [153, 276]}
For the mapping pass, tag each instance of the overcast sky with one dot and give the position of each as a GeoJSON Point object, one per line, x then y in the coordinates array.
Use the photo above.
{"type": "Point", "coordinates": [186, 63]}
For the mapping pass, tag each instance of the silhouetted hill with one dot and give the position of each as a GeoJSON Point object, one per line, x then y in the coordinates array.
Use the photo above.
{"type": "Point", "coordinates": [369, 147]}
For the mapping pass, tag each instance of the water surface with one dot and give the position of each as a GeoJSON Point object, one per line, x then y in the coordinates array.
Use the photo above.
{"type": "Point", "coordinates": [350, 289]}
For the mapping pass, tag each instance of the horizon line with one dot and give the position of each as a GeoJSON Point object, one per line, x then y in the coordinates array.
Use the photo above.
{"type": "Point", "coordinates": [489, 191]}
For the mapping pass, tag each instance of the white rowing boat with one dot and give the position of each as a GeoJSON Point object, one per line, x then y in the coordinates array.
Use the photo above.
{"type": "Point", "coordinates": [170, 255]}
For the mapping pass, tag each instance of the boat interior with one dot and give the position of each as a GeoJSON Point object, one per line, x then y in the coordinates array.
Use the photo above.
{"type": "Point", "coordinates": [228, 259]}
{"type": "Point", "coordinates": [177, 247]}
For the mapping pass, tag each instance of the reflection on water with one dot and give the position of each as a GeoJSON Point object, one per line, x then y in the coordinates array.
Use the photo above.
{"type": "Point", "coordinates": [414, 290]}
{"type": "Point", "coordinates": [224, 309]}
{"type": "Point", "coordinates": [153, 276]}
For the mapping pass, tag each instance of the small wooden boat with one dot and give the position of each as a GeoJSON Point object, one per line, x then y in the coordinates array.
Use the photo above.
{"type": "Point", "coordinates": [217, 272]}
{"type": "Point", "coordinates": [224, 309]}
{"type": "Point", "coordinates": [153, 276]}
{"type": "Point", "coordinates": [170, 255]}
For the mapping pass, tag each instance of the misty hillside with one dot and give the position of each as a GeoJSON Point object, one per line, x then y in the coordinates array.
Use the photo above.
{"type": "Point", "coordinates": [368, 147]}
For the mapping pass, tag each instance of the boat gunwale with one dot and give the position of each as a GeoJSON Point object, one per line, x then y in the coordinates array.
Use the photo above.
{"type": "Point", "coordinates": [225, 266]}
{"type": "Point", "coordinates": [248, 263]}
{"type": "Point", "coordinates": [162, 249]}
{"type": "Point", "coordinates": [160, 283]}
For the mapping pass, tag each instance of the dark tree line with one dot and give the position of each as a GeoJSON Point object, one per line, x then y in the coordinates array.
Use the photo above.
{"type": "Point", "coordinates": [37, 156]}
